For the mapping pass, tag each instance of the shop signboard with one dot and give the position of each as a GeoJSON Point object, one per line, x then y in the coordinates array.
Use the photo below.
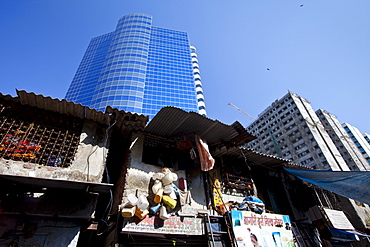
{"type": "Point", "coordinates": [262, 230]}
{"type": "Point", "coordinates": [173, 225]}
{"type": "Point", "coordinates": [338, 219]}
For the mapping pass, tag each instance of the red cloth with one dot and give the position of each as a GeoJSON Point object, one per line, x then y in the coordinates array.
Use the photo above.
{"type": "Point", "coordinates": [206, 160]}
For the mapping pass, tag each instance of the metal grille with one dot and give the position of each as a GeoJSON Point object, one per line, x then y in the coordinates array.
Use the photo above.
{"type": "Point", "coordinates": [306, 235]}
{"type": "Point", "coordinates": [326, 198]}
{"type": "Point", "coordinates": [36, 143]}
{"type": "Point", "coordinates": [154, 143]}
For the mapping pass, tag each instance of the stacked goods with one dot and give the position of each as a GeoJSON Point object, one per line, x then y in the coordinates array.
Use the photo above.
{"type": "Point", "coordinates": [128, 209]}
{"type": "Point", "coordinates": [164, 193]}
{"type": "Point", "coordinates": [142, 207]}
{"type": "Point", "coordinates": [165, 198]}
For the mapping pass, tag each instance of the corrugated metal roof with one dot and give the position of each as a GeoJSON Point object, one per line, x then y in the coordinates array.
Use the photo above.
{"type": "Point", "coordinates": [171, 122]}
{"type": "Point", "coordinates": [127, 120]}
{"type": "Point", "coordinates": [244, 135]}
{"type": "Point", "coordinates": [256, 158]}
{"type": "Point", "coordinates": [124, 119]}
{"type": "Point", "coordinates": [62, 106]}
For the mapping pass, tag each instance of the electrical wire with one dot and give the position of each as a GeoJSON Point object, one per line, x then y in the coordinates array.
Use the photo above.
{"type": "Point", "coordinates": [245, 159]}
{"type": "Point", "coordinates": [105, 216]}
{"type": "Point", "coordinates": [105, 145]}
{"type": "Point", "coordinates": [88, 163]}
{"type": "Point", "coordinates": [110, 204]}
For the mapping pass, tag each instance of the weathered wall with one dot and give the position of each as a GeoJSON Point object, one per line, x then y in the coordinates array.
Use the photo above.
{"type": "Point", "coordinates": [91, 154]}
{"type": "Point", "coordinates": [88, 165]}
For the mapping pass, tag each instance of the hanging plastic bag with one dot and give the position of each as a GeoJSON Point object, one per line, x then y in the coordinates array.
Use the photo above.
{"type": "Point", "coordinates": [158, 196]}
{"type": "Point", "coordinates": [163, 213]}
{"type": "Point", "coordinates": [169, 201]}
{"type": "Point", "coordinates": [141, 214]}
{"type": "Point", "coordinates": [156, 186]}
{"type": "Point", "coordinates": [128, 212]}
{"type": "Point", "coordinates": [142, 203]}
{"type": "Point", "coordinates": [154, 209]}
{"type": "Point", "coordinates": [132, 199]}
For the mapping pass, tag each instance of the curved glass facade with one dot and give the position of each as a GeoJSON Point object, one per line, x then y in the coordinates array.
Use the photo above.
{"type": "Point", "coordinates": [138, 68]}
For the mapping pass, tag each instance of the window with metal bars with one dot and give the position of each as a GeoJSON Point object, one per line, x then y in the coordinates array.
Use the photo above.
{"type": "Point", "coordinates": [326, 198]}
{"type": "Point", "coordinates": [38, 136]}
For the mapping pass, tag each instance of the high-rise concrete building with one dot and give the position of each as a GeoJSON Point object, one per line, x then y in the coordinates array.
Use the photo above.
{"type": "Point", "coordinates": [290, 128]}
{"type": "Point", "coordinates": [360, 140]}
{"type": "Point", "coordinates": [138, 68]}
{"type": "Point", "coordinates": [343, 142]}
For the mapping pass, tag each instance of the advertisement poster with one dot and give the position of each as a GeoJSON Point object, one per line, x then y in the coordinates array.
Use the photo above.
{"type": "Point", "coordinates": [261, 230]}
{"type": "Point", "coordinates": [174, 225]}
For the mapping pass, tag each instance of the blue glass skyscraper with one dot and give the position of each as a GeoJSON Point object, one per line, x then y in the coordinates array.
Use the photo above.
{"type": "Point", "coordinates": [139, 68]}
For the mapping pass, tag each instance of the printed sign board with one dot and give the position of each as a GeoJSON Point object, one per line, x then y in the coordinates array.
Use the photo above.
{"type": "Point", "coordinates": [173, 225]}
{"type": "Point", "coordinates": [261, 230]}
{"type": "Point", "coordinates": [338, 219]}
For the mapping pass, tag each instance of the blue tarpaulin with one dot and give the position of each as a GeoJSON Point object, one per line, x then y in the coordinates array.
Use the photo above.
{"type": "Point", "coordinates": [351, 184]}
{"type": "Point", "coordinates": [341, 235]}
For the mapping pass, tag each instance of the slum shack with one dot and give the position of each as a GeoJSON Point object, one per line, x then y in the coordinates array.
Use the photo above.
{"type": "Point", "coordinates": [53, 167]}
{"type": "Point", "coordinates": [167, 191]}
{"type": "Point", "coordinates": [190, 183]}
{"type": "Point", "coordinates": [255, 191]}
{"type": "Point", "coordinates": [270, 206]}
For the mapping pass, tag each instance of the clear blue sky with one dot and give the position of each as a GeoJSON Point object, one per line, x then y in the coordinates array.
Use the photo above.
{"type": "Point", "coordinates": [320, 51]}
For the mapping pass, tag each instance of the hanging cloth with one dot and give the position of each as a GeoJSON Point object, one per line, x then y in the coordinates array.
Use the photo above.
{"type": "Point", "coordinates": [206, 160]}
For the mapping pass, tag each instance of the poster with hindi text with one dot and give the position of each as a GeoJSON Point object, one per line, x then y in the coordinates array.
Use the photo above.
{"type": "Point", "coordinates": [262, 230]}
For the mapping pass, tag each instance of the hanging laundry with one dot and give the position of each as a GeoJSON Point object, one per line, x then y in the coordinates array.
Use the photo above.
{"type": "Point", "coordinates": [185, 197]}
{"type": "Point", "coordinates": [206, 160]}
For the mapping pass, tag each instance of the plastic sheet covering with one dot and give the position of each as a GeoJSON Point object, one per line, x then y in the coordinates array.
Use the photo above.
{"type": "Point", "coordinates": [343, 236]}
{"type": "Point", "coordinates": [358, 233]}
{"type": "Point", "coordinates": [351, 184]}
